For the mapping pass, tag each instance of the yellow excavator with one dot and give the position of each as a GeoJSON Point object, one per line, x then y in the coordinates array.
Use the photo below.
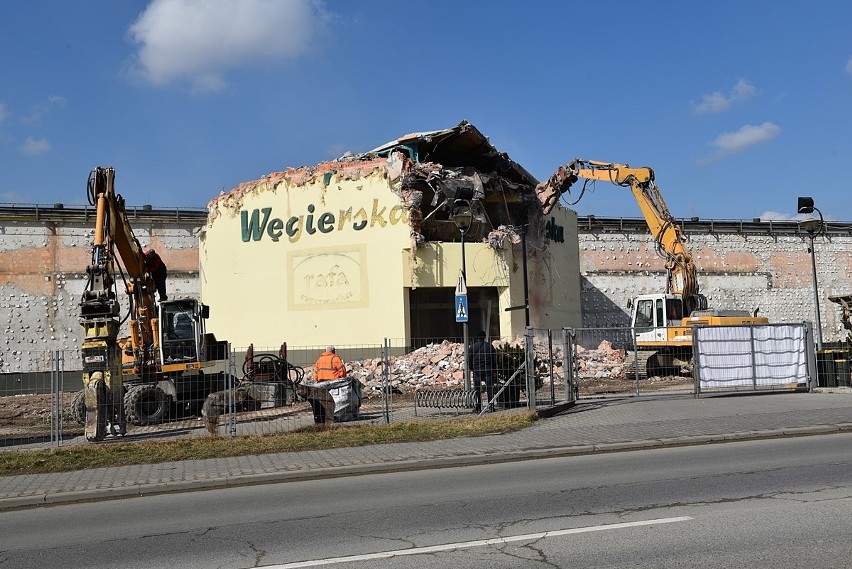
{"type": "Point", "coordinates": [138, 378]}
{"type": "Point", "coordinates": [662, 323]}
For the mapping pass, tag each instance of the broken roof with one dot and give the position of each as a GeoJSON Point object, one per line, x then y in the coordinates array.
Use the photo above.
{"type": "Point", "coordinates": [459, 146]}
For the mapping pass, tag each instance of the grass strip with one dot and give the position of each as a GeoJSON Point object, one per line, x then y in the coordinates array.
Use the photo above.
{"type": "Point", "coordinates": [315, 437]}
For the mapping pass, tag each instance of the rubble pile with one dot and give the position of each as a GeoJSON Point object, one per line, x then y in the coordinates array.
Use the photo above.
{"type": "Point", "coordinates": [434, 366]}
{"type": "Point", "coordinates": [440, 366]}
{"type": "Point", "coordinates": [603, 362]}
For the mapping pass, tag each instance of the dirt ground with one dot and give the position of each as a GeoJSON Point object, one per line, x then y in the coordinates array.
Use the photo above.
{"type": "Point", "coordinates": [593, 386]}
{"type": "Point", "coordinates": [34, 410]}
{"type": "Point", "coordinates": [31, 410]}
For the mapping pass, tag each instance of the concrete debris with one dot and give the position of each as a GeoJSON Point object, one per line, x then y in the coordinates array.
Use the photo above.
{"type": "Point", "coordinates": [497, 237]}
{"type": "Point", "coordinates": [440, 366]}
{"type": "Point", "coordinates": [604, 362]}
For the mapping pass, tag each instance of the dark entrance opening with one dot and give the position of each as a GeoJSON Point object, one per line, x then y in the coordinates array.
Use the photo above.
{"type": "Point", "coordinates": [433, 316]}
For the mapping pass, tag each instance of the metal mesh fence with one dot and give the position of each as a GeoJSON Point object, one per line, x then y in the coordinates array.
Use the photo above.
{"type": "Point", "coordinates": [37, 398]}
{"type": "Point", "coordinates": [606, 362]}
{"type": "Point", "coordinates": [41, 401]}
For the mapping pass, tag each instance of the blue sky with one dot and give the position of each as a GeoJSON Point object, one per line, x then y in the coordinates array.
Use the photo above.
{"type": "Point", "coordinates": [739, 107]}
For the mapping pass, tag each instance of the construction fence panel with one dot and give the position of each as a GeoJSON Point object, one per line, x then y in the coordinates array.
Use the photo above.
{"type": "Point", "coordinates": [756, 357]}
{"type": "Point", "coordinates": [37, 399]}
{"type": "Point", "coordinates": [604, 363]}
{"type": "Point", "coordinates": [424, 379]}
{"type": "Point", "coordinates": [548, 365]}
{"type": "Point", "coordinates": [834, 365]}
{"type": "Point", "coordinates": [427, 378]}
{"type": "Point", "coordinates": [267, 392]}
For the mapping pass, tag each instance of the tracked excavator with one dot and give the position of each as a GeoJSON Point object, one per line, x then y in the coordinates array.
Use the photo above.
{"type": "Point", "coordinates": [137, 378]}
{"type": "Point", "coordinates": [662, 323]}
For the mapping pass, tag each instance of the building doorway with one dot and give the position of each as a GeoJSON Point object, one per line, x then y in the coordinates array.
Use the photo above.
{"type": "Point", "coordinates": [433, 318]}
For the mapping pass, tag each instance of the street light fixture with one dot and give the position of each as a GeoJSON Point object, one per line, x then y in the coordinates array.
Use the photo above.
{"type": "Point", "coordinates": [463, 218]}
{"type": "Point", "coordinates": [813, 227]}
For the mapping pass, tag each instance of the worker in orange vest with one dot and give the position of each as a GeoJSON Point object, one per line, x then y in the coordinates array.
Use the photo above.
{"type": "Point", "coordinates": [329, 366]}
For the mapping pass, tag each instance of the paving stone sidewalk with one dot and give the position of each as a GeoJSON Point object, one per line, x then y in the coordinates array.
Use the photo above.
{"type": "Point", "coordinates": [592, 425]}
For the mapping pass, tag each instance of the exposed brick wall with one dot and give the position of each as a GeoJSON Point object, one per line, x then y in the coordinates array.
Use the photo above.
{"type": "Point", "coordinates": [769, 271]}
{"type": "Point", "coordinates": [43, 274]}
{"type": "Point", "coordinates": [43, 271]}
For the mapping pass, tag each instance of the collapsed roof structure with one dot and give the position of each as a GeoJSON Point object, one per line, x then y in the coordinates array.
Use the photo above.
{"type": "Point", "coordinates": [433, 170]}
{"type": "Point", "coordinates": [438, 168]}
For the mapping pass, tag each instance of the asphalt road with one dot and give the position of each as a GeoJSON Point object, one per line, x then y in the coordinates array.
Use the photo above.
{"type": "Point", "coordinates": [778, 503]}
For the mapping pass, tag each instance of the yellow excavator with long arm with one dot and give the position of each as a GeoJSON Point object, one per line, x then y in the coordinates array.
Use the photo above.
{"type": "Point", "coordinates": [137, 378]}
{"type": "Point", "coordinates": [662, 323]}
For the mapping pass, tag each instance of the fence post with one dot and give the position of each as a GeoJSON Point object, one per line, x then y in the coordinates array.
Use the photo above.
{"type": "Point", "coordinates": [753, 362]}
{"type": "Point", "coordinates": [54, 399]}
{"type": "Point", "coordinates": [696, 362]}
{"type": "Point", "coordinates": [635, 360]}
{"type": "Point", "coordinates": [53, 417]}
{"type": "Point", "coordinates": [61, 369]}
{"type": "Point", "coordinates": [810, 354]}
{"type": "Point", "coordinates": [231, 394]}
{"type": "Point", "coordinates": [386, 388]}
{"type": "Point", "coordinates": [530, 368]}
{"type": "Point", "coordinates": [568, 364]}
{"type": "Point", "coordinates": [550, 355]}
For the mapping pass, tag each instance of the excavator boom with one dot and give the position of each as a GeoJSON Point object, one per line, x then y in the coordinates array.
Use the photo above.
{"type": "Point", "coordinates": [681, 272]}
{"type": "Point", "coordinates": [137, 379]}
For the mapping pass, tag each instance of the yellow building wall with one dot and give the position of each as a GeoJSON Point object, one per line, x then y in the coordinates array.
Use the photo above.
{"type": "Point", "coordinates": [553, 267]}
{"type": "Point", "coordinates": [326, 258]}
{"type": "Point", "coordinates": [311, 262]}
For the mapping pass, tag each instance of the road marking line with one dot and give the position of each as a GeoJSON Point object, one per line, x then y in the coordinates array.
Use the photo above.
{"type": "Point", "coordinates": [468, 544]}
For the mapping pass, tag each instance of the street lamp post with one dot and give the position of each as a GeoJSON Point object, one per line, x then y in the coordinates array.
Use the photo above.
{"type": "Point", "coordinates": [813, 227]}
{"type": "Point", "coordinates": [463, 218]}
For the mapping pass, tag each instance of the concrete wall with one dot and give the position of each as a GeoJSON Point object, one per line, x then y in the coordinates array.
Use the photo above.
{"type": "Point", "coordinates": [43, 260]}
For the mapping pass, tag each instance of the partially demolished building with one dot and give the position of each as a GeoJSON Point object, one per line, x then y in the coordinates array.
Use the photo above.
{"type": "Point", "coordinates": [369, 246]}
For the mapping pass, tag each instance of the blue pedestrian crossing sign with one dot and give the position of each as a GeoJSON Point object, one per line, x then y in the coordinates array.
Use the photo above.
{"type": "Point", "coordinates": [461, 308]}
{"type": "Point", "coordinates": [460, 305]}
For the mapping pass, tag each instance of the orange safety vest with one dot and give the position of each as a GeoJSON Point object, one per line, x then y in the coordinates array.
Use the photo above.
{"type": "Point", "coordinates": [329, 366]}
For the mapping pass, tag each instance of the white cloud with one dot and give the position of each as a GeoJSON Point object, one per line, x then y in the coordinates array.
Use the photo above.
{"type": "Point", "coordinates": [749, 135]}
{"type": "Point", "coordinates": [40, 109]}
{"type": "Point", "coordinates": [199, 40]}
{"type": "Point", "coordinates": [849, 66]}
{"type": "Point", "coordinates": [729, 143]}
{"type": "Point", "coordinates": [718, 102]}
{"type": "Point", "coordinates": [777, 216]}
{"type": "Point", "coordinates": [35, 146]}
{"type": "Point", "coordinates": [3, 113]}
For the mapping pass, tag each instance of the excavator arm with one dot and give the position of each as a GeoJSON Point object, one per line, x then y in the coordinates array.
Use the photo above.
{"type": "Point", "coordinates": [681, 272]}
{"type": "Point", "coordinates": [115, 246]}
{"type": "Point", "coordinates": [116, 254]}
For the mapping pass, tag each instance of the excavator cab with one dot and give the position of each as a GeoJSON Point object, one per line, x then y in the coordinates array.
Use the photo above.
{"type": "Point", "coordinates": [183, 335]}
{"type": "Point", "coordinates": [652, 313]}
{"type": "Point", "coordinates": [181, 331]}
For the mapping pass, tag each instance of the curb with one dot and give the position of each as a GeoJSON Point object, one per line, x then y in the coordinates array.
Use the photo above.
{"type": "Point", "coordinates": [139, 490]}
